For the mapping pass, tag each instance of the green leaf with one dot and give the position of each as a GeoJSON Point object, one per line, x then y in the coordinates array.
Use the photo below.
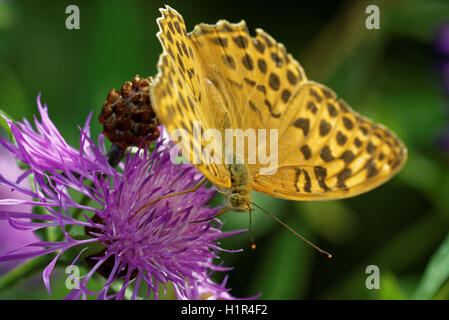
{"type": "Point", "coordinates": [332, 220]}
{"type": "Point", "coordinates": [25, 270]}
{"type": "Point", "coordinates": [436, 273]}
{"type": "Point", "coordinates": [5, 125]}
{"type": "Point", "coordinates": [389, 287]}
{"type": "Point", "coordinates": [285, 271]}
{"type": "Point", "coordinates": [418, 18]}
{"type": "Point", "coordinates": [421, 235]}
{"type": "Point", "coordinates": [443, 293]}
{"type": "Point", "coordinates": [7, 15]}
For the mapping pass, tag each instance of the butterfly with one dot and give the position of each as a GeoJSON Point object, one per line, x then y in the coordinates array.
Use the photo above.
{"type": "Point", "coordinates": [222, 77]}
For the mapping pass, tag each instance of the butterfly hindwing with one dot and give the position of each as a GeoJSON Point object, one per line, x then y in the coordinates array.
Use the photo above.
{"type": "Point", "coordinates": [329, 151]}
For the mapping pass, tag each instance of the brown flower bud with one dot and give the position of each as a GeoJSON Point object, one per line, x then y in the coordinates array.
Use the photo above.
{"type": "Point", "coordinates": [127, 116]}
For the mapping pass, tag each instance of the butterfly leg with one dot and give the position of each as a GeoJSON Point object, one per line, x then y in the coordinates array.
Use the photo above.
{"type": "Point", "coordinates": [219, 213]}
{"type": "Point", "coordinates": [202, 181]}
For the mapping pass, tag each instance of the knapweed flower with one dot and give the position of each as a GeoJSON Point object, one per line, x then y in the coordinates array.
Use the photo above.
{"type": "Point", "coordinates": [10, 237]}
{"type": "Point", "coordinates": [139, 246]}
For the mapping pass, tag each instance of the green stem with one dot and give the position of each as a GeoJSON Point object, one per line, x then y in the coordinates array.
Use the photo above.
{"type": "Point", "coordinates": [115, 287]}
{"type": "Point", "coordinates": [24, 271]}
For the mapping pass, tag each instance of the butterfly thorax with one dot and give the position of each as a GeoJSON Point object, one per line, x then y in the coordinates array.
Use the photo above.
{"type": "Point", "coordinates": [238, 196]}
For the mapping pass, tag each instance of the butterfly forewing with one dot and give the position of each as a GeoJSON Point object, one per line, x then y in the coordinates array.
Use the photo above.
{"type": "Point", "coordinates": [248, 71]}
{"type": "Point", "coordinates": [178, 99]}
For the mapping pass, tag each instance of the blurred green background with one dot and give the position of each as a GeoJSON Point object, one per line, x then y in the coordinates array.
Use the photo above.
{"type": "Point", "coordinates": [388, 75]}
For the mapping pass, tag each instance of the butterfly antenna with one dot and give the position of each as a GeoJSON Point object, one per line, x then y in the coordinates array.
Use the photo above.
{"type": "Point", "coordinates": [251, 238]}
{"type": "Point", "coordinates": [293, 231]}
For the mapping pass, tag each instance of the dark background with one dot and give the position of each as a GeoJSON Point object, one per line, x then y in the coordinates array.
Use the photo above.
{"type": "Point", "coordinates": [389, 75]}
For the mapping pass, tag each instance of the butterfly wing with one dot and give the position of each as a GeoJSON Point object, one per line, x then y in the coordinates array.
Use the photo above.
{"type": "Point", "coordinates": [240, 66]}
{"type": "Point", "coordinates": [177, 96]}
{"type": "Point", "coordinates": [235, 67]}
{"type": "Point", "coordinates": [329, 151]}
{"type": "Point", "coordinates": [326, 149]}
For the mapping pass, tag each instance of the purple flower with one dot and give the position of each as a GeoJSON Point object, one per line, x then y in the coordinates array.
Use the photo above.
{"type": "Point", "coordinates": [133, 244]}
{"type": "Point", "coordinates": [10, 237]}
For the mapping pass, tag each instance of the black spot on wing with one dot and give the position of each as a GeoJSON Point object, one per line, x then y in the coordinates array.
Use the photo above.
{"type": "Point", "coordinates": [303, 124]}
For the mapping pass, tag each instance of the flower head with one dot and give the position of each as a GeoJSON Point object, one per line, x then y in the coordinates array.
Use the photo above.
{"type": "Point", "coordinates": [169, 241]}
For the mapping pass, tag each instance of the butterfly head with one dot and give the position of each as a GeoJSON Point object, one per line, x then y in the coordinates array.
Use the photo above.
{"type": "Point", "coordinates": [239, 201]}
